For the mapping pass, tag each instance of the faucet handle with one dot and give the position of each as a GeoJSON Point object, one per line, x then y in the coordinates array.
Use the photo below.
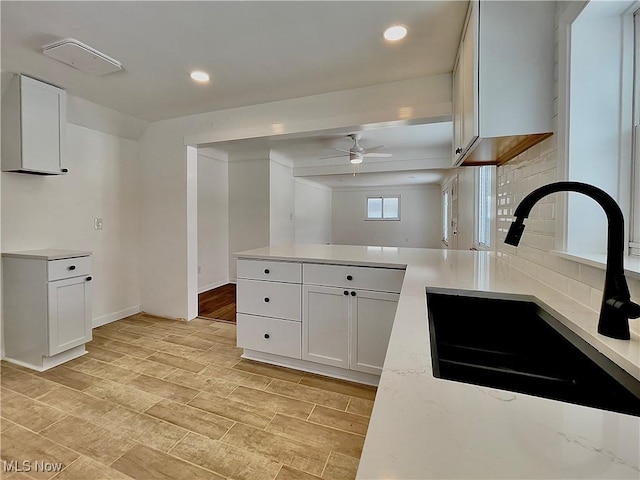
{"type": "Point", "coordinates": [627, 307]}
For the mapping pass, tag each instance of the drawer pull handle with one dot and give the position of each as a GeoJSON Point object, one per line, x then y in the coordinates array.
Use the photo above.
{"type": "Point", "coordinates": [349, 277]}
{"type": "Point", "coordinates": [71, 267]}
{"type": "Point", "coordinates": [266, 299]}
{"type": "Point", "coordinates": [353, 294]}
{"type": "Point", "coordinates": [266, 335]}
{"type": "Point", "coordinates": [89, 279]}
{"type": "Point", "coordinates": [346, 292]}
{"type": "Point", "coordinates": [64, 170]}
{"type": "Point", "coordinates": [266, 270]}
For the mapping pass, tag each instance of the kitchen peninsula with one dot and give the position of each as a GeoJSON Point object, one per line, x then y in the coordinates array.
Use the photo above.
{"type": "Point", "coordinates": [426, 427]}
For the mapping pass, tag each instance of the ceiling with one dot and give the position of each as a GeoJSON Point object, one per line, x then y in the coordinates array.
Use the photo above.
{"type": "Point", "coordinates": [256, 52]}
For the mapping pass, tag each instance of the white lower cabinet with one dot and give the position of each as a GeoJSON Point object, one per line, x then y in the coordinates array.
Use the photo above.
{"type": "Point", "coordinates": [334, 320]}
{"type": "Point", "coordinates": [46, 306]}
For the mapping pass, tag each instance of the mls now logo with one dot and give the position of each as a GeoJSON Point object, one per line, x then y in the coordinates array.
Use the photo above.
{"type": "Point", "coordinates": [29, 466]}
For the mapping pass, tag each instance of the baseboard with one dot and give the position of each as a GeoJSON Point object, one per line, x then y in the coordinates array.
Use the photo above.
{"type": "Point", "coordinates": [211, 286]}
{"type": "Point", "coordinates": [112, 317]}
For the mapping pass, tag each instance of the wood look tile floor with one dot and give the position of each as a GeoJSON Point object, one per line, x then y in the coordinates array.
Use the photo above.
{"type": "Point", "coordinates": [164, 399]}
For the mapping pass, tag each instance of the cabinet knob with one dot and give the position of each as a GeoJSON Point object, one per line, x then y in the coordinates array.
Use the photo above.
{"type": "Point", "coordinates": [64, 170]}
{"type": "Point", "coordinates": [349, 277]}
{"type": "Point", "coordinates": [346, 292]}
{"type": "Point", "coordinates": [458, 151]}
{"type": "Point", "coordinates": [266, 299]}
{"type": "Point", "coordinates": [266, 335]}
{"type": "Point", "coordinates": [89, 279]}
{"type": "Point", "coordinates": [71, 267]}
{"type": "Point", "coordinates": [266, 270]}
{"type": "Point", "coordinates": [353, 294]}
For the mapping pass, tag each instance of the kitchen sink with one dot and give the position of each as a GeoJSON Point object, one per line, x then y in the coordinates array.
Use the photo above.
{"type": "Point", "coordinates": [514, 344]}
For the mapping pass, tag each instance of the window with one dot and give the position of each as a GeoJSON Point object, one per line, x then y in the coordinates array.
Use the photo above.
{"type": "Point", "coordinates": [383, 208]}
{"type": "Point", "coordinates": [595, 119]}
{"type": "Point", "coordinates": [484, 207]}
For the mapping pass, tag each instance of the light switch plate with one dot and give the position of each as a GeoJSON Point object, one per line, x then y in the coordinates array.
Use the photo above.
{"type": "Point", "coordinates": [97, 223]}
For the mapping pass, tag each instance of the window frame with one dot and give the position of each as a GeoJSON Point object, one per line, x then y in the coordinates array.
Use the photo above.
{"type": "Point", "coordinates": [634, 217]}
{"type": "Point", "coordinates": [382, 218]}
{"type": "Point", "coordinates": [484, 207]}
{"type": "Point", "coordinates": [446, 200]}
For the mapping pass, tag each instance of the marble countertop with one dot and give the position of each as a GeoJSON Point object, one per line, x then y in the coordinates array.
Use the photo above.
{"type": "Point", "coordinates": [424, 427]}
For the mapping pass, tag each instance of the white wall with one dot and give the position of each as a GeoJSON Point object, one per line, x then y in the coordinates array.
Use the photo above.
{"type": "Point", "coordinates": [312, 212]}
{"type": "Point", "coordinates": [281, 202]}
{"type": "Point", "coordinates": [58, 212]}
{"type": "Point", "coordinates": [248, 206]}
{"type": "Point", "coordinates": [213, 222]}
{"type": "Point", "coordinates": [420, 211]}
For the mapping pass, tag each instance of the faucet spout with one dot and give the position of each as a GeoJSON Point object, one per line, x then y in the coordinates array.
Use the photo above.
{"type": "Point", "coordinates": [617, 307]}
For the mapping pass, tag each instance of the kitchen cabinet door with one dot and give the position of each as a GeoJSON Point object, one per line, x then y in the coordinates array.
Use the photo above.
{"type": "Point", "coordinates": [34, 122]}
{"type": "Point", "coordinates": [69, 313]}
{"type": "Point", "coordinates": [372, 315]}
{"type": "Point", "coordinates": [325, 325]}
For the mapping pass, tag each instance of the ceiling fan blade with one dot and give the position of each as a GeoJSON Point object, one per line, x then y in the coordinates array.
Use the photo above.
{"type": "Point", "coordinates": [333, 156]}
{"type": "Point", "coordinates": [373, 149]}
{"type": "Point", "coordinates": [341, 150]}
{"type": "Point", "coordinates": [378, 155]}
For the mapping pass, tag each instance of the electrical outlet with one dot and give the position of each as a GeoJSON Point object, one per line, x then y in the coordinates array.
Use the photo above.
{"type": "Point", "coordinates": [97, 224]}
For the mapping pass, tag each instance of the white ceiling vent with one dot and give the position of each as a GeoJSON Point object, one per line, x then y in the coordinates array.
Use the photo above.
{"type": "Point", "coordinates": [81, 56]}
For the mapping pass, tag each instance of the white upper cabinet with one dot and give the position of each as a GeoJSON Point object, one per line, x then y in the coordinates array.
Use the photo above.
{"type": "Point", "coordinates": [503, 81]}
{"type": "Point", "coordinates": [34, 119]}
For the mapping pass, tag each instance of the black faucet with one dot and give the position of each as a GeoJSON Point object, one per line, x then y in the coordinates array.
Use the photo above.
{"type": "Point", "coordinates": [617, 307]}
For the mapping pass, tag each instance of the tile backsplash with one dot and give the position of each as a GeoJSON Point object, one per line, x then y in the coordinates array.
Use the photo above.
{"type": "Point", "coordinates": [530, 170]}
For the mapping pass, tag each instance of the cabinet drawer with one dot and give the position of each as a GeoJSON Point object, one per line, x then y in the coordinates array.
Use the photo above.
{"type": "Point", "coordinates": [364, 278]}
{"type": "Point", "coordinates": [68, 268]}
{"type": "Point", "coordinates": [269, 299]}
{"type": "Point", "coordinates": [272, 271]}
{"type": "Point", "coordinates": [270, 335]}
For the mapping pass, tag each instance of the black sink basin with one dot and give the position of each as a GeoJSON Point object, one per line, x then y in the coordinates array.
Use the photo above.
{"type": "Point", "coordinates": [516, 345]}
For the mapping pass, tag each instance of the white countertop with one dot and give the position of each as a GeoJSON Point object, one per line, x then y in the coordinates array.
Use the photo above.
{"type": "Point", "coordinates": [47, 254]}
{"type": "Point", "coordinates": [424, 427]}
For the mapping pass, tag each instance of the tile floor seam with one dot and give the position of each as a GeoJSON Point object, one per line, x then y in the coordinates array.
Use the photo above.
{"type": "Point", "coordinates": [326, 462]}
{"type": "Point", "coordinates": [66, 466]}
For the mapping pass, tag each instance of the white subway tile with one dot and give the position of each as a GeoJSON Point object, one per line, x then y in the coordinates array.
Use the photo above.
{"type": "Point", "coordinates": [553, 279]}
{"type": "Point", "coordinates": [596, 299]}
{"type": "Point", "coordinates": [569, 268]}
{"type": "Point", "coordinates": [592, 276]}
{"type": "Point", "coordinates": [580, 292]}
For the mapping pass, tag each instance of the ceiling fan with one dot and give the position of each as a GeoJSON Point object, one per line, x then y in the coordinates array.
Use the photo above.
{"type": "Point", "coordinates": [357, 153]}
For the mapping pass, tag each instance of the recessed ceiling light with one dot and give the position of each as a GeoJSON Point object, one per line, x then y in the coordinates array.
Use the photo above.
{"type": "Point", "coordinates": [200, 76]}
{"type": "Point", "coordinates": [395, 33]}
